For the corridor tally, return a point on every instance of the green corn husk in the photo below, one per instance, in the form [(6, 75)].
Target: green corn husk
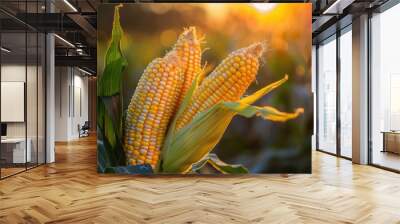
[(193, 143)]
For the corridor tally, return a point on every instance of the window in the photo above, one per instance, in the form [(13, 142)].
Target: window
[(346, 93), (22, 77), (327, 96), (385, 89)]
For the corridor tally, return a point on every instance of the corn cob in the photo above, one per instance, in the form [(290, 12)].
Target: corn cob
[(189, 51), (227, 82), (150, 110)]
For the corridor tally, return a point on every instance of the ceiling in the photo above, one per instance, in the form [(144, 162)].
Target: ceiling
[(332, 15), (76, 21)]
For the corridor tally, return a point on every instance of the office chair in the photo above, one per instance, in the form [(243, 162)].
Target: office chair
[(84, 130)]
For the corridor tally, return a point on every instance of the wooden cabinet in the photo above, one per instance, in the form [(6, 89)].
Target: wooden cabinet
[(391, 142)]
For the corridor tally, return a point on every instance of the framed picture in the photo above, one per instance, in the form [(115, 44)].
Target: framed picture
[(204, 88)]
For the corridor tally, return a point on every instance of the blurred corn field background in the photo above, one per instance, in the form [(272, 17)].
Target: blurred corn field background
[(261, 146)]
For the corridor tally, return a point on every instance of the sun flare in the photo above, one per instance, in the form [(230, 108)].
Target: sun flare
[(264, 7)]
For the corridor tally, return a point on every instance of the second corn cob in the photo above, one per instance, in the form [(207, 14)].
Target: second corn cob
[(188, 49), (227, 82), (150, 110)]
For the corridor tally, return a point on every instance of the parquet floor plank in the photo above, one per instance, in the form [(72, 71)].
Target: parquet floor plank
[(70, 191)]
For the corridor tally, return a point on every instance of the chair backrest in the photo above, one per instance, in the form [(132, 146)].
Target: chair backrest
[(86, 124)]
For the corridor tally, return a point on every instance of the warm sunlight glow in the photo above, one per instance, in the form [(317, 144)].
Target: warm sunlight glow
[(264, 7), (216, 11)]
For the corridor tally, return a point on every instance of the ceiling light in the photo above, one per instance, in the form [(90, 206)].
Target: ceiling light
[(337, 7), (80, 51), (64, 40), (5, 50), (331, 7), (84, 71), (70, 5)]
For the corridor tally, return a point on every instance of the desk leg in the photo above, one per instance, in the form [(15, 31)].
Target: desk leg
[(384, 142)]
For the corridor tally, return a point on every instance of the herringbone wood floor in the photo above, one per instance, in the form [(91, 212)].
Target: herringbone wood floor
[(70, 191)]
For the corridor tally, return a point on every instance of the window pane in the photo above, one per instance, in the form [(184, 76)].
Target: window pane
[(14, 153), (23, 83), (346, 94), (31, 97), (327, 96)]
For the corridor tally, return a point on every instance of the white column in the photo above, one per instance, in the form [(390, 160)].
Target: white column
[(360, 90), (50, 93)]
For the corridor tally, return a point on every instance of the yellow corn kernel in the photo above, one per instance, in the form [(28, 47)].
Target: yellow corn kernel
[(228, 82), (188, 49), (150, 110)]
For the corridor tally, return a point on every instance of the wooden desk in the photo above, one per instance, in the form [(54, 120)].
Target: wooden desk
[(391, 141)]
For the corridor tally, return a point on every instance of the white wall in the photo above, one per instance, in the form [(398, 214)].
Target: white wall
[(62, 81), (71, 102)]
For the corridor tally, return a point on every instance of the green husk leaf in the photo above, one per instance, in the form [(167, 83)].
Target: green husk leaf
[(110, 81), (109, 131), (109, 104), (263, 91), (100, 113), (266, 112), (113, 107), (192, 143), (102, 159), (109, 118), (219, 165), (199, 165), (105, 156), (224, 167)]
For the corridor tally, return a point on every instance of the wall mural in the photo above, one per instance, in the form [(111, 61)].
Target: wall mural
[(201, 88)]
